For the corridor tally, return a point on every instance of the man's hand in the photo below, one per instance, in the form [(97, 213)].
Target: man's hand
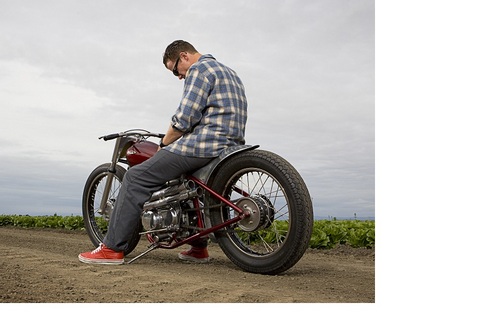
[(171, 136)]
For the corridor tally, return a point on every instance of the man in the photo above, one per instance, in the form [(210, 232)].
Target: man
[(211, 117)]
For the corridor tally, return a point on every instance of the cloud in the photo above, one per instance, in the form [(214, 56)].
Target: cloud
[(71, 72), (45, 114)]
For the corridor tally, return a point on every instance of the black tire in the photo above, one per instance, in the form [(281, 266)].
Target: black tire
[(282, 206), (96, 224)]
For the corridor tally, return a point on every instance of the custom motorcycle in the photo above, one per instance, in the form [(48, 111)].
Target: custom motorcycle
[(251, 202)]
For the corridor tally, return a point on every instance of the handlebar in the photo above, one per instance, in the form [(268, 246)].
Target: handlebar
[(133, 132)]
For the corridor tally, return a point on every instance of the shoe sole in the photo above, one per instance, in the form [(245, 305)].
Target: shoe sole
[(102, 261), (193, 259)]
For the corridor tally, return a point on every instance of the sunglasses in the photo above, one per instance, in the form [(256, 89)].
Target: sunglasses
[(174, 69)]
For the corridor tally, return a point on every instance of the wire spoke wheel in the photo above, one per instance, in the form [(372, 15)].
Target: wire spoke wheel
[(267, 228), (95, 219), (278, 228)]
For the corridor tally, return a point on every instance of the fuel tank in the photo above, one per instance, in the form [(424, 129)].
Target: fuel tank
[(140, 151)]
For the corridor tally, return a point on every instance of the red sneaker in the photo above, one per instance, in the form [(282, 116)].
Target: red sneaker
[(102, 255), (195, 254)]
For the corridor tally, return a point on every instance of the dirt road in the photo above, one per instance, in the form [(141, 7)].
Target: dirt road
[(41, 265)]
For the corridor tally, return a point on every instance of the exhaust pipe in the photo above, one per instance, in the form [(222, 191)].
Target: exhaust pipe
[(174, 187), (184, 195)]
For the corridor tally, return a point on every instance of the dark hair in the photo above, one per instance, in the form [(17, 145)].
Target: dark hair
[(175, 48)]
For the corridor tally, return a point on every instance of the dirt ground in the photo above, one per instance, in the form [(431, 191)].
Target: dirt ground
[(41, 266)]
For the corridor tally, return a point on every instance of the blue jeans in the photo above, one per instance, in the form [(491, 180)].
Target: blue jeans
[(139, 183)]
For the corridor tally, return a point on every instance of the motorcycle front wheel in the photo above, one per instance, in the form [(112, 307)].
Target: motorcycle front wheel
[(278, 231), (96, 220)]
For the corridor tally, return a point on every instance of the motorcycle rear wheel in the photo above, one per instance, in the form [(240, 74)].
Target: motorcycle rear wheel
[(278, 232), (96, 223)]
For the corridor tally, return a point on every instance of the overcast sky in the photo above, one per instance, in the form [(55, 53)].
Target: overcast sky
[(71, 71)]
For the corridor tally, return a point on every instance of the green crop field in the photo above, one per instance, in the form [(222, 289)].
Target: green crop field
[(326, 233)]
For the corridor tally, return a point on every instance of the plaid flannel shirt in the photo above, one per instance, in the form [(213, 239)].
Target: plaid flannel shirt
[(213, 111)]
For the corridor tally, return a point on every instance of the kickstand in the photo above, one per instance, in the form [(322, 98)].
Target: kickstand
[(150, 248)]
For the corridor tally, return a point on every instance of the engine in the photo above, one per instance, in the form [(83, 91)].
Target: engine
[(170, 212)]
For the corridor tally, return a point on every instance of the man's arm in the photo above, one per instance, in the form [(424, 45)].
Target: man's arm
[(171, 135)]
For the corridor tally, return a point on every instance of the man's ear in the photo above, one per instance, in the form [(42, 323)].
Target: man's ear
[(185, 56)]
